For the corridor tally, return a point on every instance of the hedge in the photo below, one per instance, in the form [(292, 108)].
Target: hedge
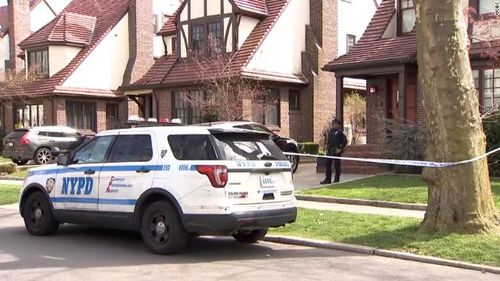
[(309, 147), (8, 168), (492, 130)]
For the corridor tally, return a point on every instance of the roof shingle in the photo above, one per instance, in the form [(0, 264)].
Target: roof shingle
[(73, 28)]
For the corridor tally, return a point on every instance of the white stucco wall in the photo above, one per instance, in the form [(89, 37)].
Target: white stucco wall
[(229, 42), (41, 14), (353, 18), (4, 55), (105, 66), (281, 50), (168, 40), (197, 9), (60, 56), (183, 46), (247, 24), (213, 8), (162, 9)]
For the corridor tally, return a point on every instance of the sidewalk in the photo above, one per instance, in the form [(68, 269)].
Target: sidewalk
[(360, 209)]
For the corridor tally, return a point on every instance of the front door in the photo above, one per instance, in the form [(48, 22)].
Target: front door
[(77, 184), (129, 171)]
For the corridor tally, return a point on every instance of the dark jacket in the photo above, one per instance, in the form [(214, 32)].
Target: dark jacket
[(335, 139)]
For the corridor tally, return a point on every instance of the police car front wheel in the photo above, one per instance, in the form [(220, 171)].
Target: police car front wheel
[(161, 229), (38, 217)]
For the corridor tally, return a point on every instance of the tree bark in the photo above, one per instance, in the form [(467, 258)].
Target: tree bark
[(460, 197)]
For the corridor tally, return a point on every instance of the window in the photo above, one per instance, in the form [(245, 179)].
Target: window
[(406, 16), (94, 152), (267, 112), (215, 33), (184, 109), (191, 147), (351, 40), (197, 37), (293, 100), (81, 115), (247, 147), (111, 110), (487, 84), (28, 115), (38, 62), (132, 148), (174, 44)]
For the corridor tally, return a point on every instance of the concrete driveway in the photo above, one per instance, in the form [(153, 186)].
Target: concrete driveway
[(83, 253), (306, 177)]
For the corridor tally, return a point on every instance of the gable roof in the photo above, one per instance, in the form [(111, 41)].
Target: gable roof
[(173, 71), (372, 48), (257, 7), (107, 14), (70, 28)]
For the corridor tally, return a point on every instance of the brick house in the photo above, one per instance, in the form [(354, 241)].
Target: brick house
[(386, 57), (282, 43), (84, 55)]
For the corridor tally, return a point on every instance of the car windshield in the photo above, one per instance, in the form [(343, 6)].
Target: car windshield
[(237, 146)]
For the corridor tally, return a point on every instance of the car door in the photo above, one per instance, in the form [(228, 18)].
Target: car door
[(77, 184), (130, 171)]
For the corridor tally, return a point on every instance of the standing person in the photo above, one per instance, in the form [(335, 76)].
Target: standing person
[(335, 142)]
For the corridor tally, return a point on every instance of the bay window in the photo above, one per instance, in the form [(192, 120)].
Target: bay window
[(268, 111), (38, 62), (487, 84), (406, 16)]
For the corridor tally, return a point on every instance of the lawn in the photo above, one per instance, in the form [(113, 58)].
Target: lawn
[(4, 160), (393, 188), (20, 174), (392, 233), (9, 193)]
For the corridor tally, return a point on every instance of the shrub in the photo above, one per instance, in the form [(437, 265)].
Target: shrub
[(355, 117), (491, 125), (8, 168), (309, 147)]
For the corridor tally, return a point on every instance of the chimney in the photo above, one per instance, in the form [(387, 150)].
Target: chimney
[(140, 28), (19, 29)]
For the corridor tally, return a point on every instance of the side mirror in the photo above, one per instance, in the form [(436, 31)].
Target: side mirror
[(63, 160), (55, 151)]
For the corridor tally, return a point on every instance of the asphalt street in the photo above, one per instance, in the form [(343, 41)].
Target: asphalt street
[(77, 253)]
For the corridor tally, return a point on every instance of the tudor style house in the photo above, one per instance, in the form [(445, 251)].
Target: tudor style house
[(83, 56), (282, 43), (386, 57)]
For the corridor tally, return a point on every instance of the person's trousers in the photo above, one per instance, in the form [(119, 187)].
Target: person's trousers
[(336, 163)]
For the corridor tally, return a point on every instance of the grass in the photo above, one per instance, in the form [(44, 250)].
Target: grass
[(9, 193), (4, 160), (393, 188), (20, 174), (392, 233)]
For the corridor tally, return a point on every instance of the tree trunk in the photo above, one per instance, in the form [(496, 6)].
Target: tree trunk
[(460, 197)]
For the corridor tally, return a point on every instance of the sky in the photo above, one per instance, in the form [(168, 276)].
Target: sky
[(3, 3)]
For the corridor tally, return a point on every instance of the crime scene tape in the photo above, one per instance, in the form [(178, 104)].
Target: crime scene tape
[(417, 163)]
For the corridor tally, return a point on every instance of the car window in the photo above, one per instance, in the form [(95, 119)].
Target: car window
[(43, 133), (71, 134), (261, 128), (55, 134), (94, 152), (192, 147), (246, 127), (132, 148), (247, 147)]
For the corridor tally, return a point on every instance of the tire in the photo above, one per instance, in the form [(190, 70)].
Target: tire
[(20, 161), (37, 215), (161, 229), (250, 236), (43, 156), (294, 159)]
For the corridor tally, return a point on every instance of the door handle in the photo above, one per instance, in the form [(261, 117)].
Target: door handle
[(142, 170), (89, 172)]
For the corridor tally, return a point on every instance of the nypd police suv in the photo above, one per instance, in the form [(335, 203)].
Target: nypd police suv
[(169, 183)]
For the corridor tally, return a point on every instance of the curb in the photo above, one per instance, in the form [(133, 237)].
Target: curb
[(379, 252), (374, 203), (11, 178)]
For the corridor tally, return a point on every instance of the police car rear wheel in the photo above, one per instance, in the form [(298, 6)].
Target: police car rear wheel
[(162, 230), (250, 236), (38, 217)]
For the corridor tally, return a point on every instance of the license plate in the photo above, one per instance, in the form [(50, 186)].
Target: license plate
[(266, 181), (9, 144)]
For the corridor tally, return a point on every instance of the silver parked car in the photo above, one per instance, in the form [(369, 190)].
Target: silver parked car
[(23, 145)]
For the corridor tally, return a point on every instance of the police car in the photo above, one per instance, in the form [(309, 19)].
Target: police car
[(169, 183)]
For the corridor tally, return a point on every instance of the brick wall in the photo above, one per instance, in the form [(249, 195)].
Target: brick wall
[(101, 116), (284, 113), (163, 103), (133, 108), (140, 40), (48, 116), (60, 111), (376, 112), (19, 29), (9, 117)]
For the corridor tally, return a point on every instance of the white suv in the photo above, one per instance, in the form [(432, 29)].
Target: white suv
[(167, 182)]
